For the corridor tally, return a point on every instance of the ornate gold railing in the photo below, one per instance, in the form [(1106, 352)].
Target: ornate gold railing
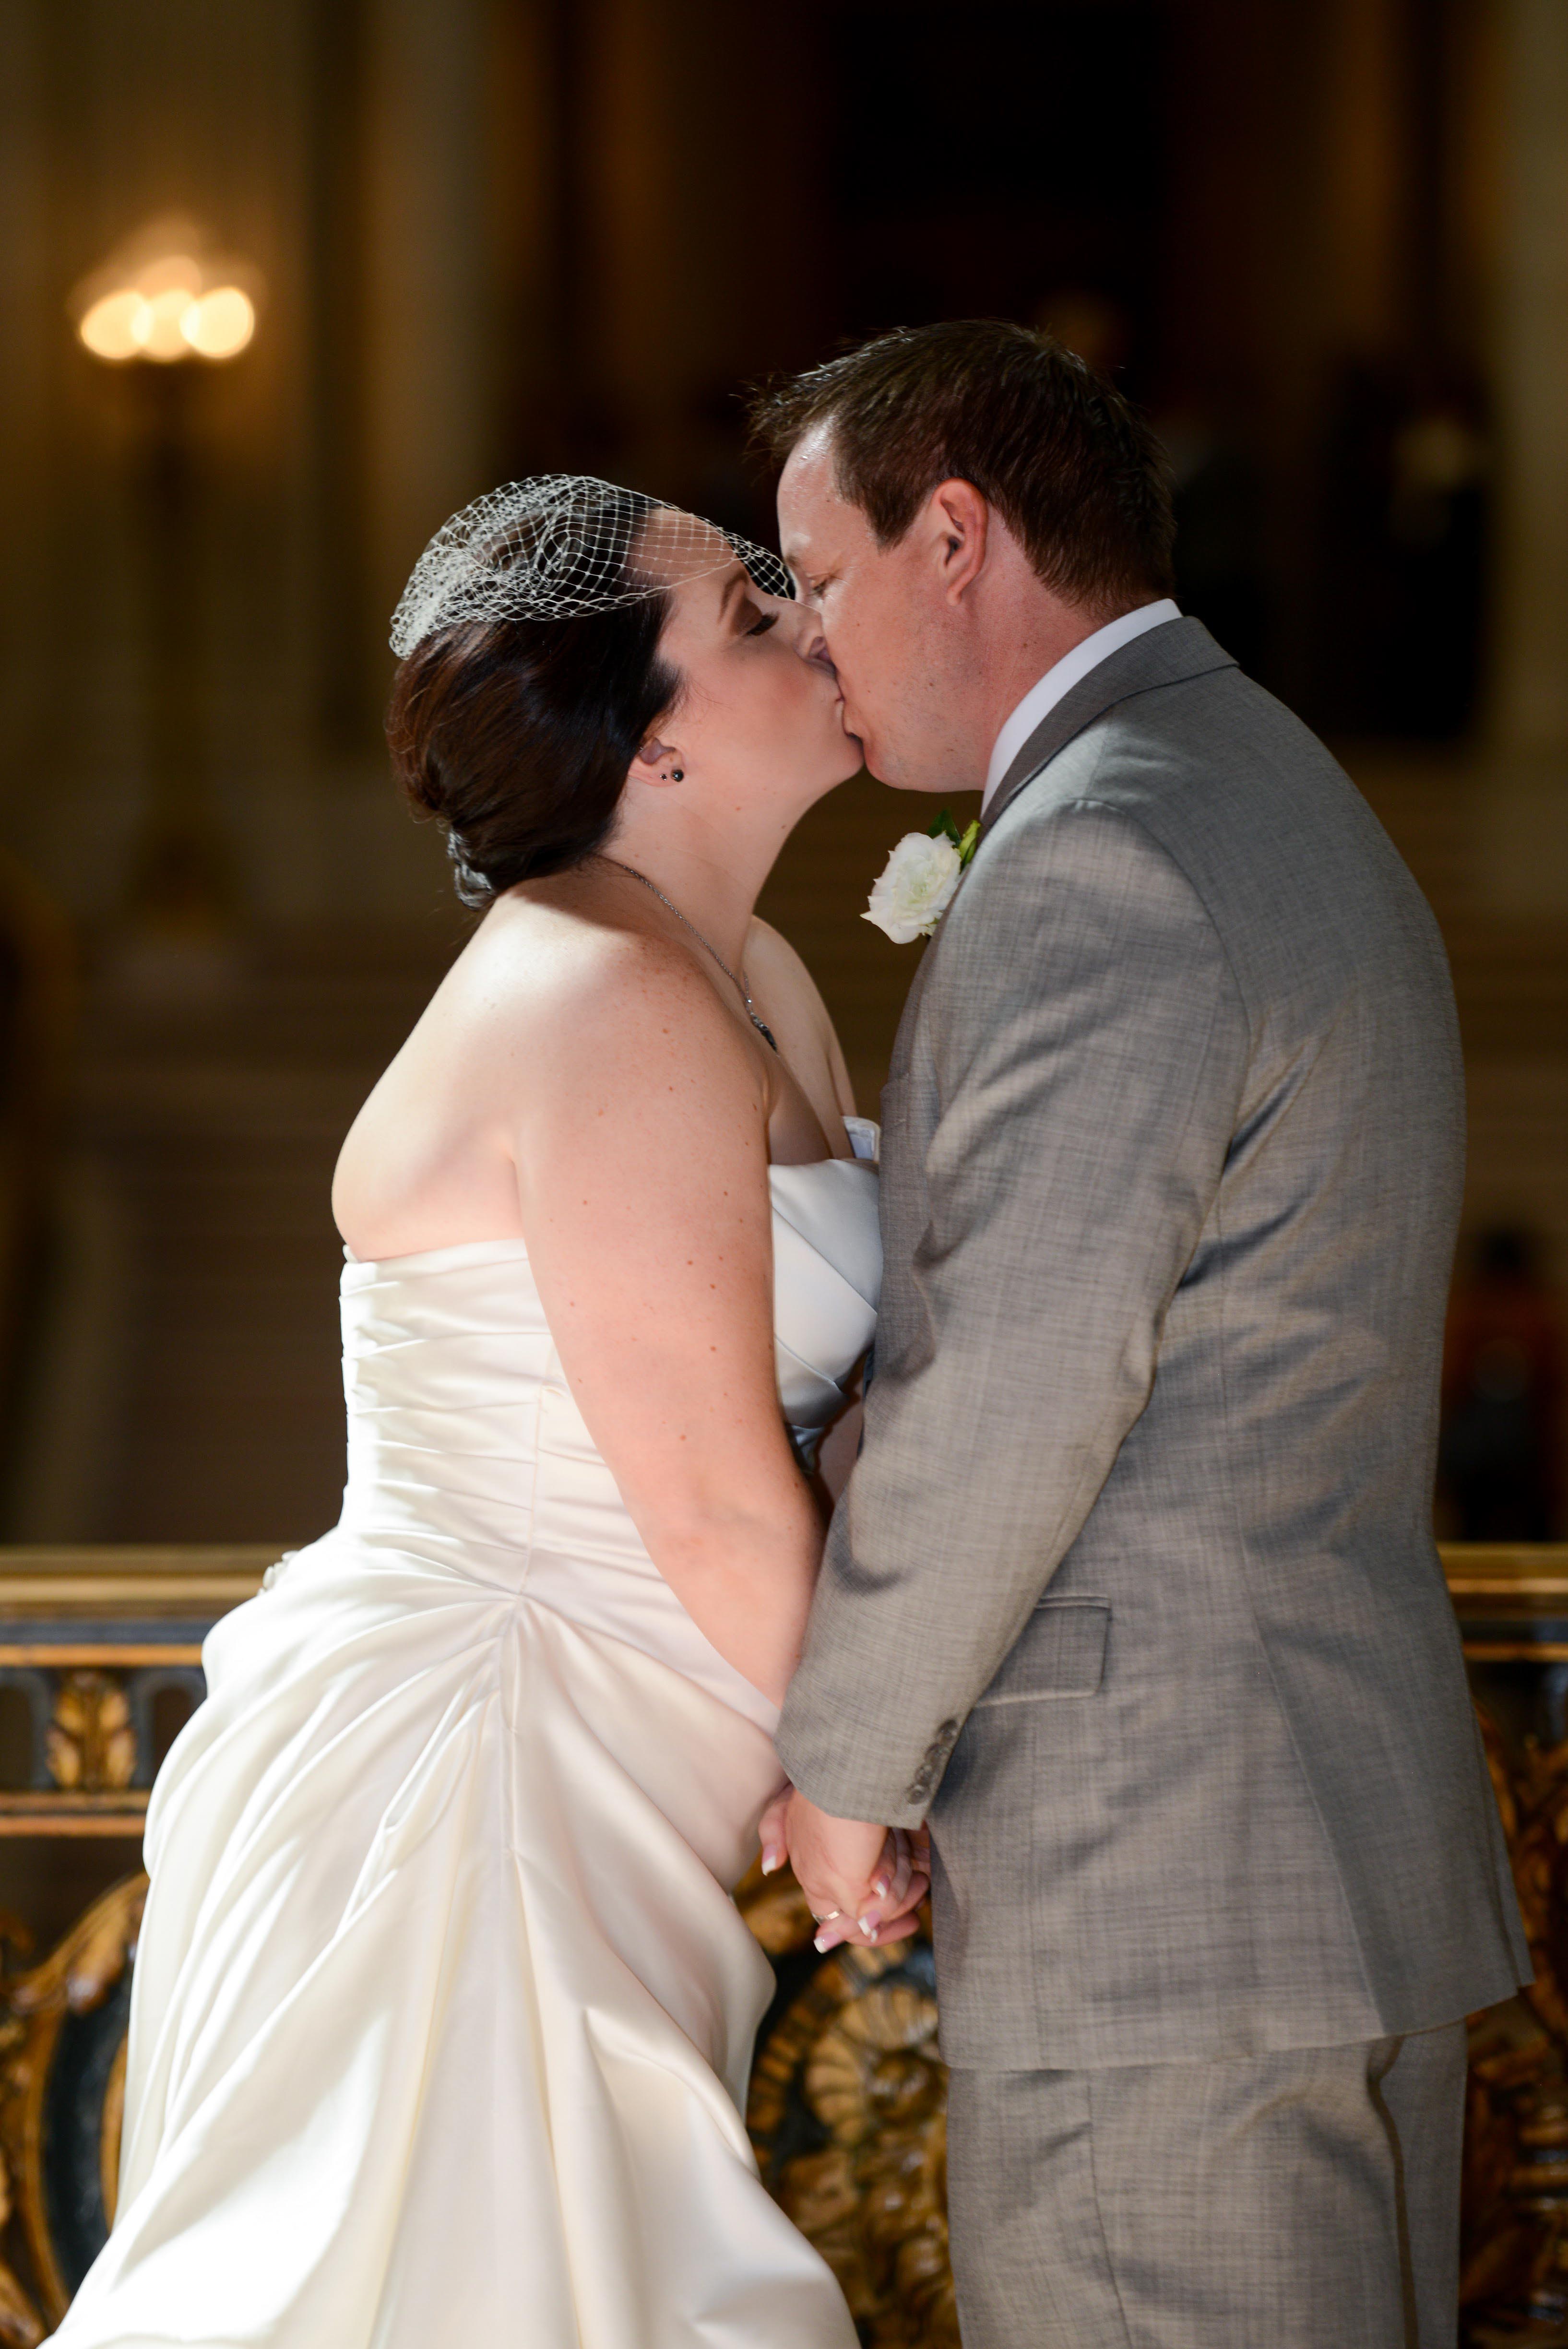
[(101, 1661), (100, 1664)]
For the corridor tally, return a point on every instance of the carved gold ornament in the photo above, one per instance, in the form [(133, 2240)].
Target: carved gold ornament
[(91, 1743), (78, 1989), (848, 2115), (847, 2109)]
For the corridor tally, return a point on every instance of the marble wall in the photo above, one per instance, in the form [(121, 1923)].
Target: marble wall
[(496, 236), (493, 236), (333, 147)]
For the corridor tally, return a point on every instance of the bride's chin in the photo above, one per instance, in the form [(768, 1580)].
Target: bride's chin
[(830, 763), (831, 773), (851, 742)]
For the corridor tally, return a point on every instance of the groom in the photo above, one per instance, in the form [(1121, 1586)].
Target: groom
[(1133, 1594)]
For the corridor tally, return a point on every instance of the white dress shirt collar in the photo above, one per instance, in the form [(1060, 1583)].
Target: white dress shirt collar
[(1059, 682)]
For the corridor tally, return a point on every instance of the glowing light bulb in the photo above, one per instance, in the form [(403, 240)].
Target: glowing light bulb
[(220, 322), (161, 324), (166, 296), (114, 327)]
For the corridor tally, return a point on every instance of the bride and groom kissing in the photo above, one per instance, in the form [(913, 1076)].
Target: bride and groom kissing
[(1120, 1617)]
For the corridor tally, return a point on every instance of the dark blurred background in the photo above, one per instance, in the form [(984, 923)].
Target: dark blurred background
[(395, 251)]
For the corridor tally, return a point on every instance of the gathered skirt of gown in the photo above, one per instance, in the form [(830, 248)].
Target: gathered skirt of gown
[(442, 2012)]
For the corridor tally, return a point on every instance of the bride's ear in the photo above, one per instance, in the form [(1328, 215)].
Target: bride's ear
[(658, 763)]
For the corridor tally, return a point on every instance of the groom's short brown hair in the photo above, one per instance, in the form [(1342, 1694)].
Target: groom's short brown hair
[(1070, 467)]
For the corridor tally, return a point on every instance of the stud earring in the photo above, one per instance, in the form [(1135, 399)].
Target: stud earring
[(677, 776)]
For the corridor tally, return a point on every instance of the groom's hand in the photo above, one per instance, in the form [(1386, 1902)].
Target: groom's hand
[(864, 1884)]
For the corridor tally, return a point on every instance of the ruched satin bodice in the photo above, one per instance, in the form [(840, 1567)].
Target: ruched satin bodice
[(442, 2012), (465, 1443)]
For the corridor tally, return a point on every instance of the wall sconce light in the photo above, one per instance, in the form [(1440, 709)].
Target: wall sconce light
[(163, 311), (165, 296)]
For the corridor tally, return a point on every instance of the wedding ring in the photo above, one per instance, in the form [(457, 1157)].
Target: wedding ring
[(828, 1916)]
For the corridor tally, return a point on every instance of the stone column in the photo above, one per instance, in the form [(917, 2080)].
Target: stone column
[(1530, 693), (430, 292)]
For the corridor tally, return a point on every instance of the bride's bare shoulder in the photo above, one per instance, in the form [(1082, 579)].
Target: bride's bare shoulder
[(548, 969), (546, 1027)]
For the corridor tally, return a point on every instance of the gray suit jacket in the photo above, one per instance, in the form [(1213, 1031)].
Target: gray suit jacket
[(1134, 1587)]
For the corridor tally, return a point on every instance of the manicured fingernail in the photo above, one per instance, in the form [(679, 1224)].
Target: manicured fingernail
[(879, 1888), (823, 1943), (772, 1857), (869, 1926)]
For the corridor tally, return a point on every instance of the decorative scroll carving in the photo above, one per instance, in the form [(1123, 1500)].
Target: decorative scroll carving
[(62, 2039), (21, 2327), (848, 2115), (1515, 2276), (847, 2108), (848, 2104), (91, 1742)]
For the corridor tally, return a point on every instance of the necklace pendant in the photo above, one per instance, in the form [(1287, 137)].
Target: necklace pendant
[(738, 983)]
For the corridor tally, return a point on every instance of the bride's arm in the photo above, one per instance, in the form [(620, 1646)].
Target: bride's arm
[(641, 1154)]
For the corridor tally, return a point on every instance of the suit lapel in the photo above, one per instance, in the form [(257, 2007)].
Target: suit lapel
[(1168, 655), (903, 1042)]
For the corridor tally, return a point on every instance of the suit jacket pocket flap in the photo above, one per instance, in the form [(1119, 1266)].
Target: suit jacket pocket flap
[(1061, 1651)]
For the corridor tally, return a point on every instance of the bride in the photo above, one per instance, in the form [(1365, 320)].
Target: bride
[(443, 2011)]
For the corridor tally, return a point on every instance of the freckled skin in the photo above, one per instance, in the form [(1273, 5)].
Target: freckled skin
[(586, 1078)]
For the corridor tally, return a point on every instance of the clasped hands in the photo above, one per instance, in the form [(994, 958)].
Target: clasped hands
[(864, 1884)]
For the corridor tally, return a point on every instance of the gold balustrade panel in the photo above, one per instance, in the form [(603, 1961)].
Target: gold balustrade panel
[(101, 1661)]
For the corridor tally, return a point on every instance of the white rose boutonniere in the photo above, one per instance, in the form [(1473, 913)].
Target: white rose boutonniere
[(916, 885)]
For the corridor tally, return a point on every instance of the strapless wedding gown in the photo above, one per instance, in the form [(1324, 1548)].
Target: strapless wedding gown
[(442, 2012)]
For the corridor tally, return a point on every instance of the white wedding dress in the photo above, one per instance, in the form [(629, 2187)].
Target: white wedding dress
[(443, 2011)]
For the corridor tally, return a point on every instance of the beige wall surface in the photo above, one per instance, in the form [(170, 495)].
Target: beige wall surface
[(498, 236)]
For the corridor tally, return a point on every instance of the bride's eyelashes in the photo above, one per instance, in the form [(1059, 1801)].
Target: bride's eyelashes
[(769, 620)]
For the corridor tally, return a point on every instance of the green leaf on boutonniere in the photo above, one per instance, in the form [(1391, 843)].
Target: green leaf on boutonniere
[(946, 828)]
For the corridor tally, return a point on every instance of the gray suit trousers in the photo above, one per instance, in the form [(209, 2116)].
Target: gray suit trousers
[(1306, 2199)]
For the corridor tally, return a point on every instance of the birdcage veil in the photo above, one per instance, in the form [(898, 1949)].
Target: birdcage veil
[(560, 544)]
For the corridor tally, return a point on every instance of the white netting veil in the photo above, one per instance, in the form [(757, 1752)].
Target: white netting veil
[(560, 544)]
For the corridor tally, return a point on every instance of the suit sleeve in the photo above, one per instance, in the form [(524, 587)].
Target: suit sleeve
[(1086, 1045)]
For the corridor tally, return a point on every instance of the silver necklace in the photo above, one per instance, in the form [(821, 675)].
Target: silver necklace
[(738, 984)]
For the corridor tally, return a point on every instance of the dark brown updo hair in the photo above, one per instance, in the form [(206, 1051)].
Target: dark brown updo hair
[(517, 736)]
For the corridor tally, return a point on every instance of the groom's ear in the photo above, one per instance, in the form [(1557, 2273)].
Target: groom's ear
[(957, 523)]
